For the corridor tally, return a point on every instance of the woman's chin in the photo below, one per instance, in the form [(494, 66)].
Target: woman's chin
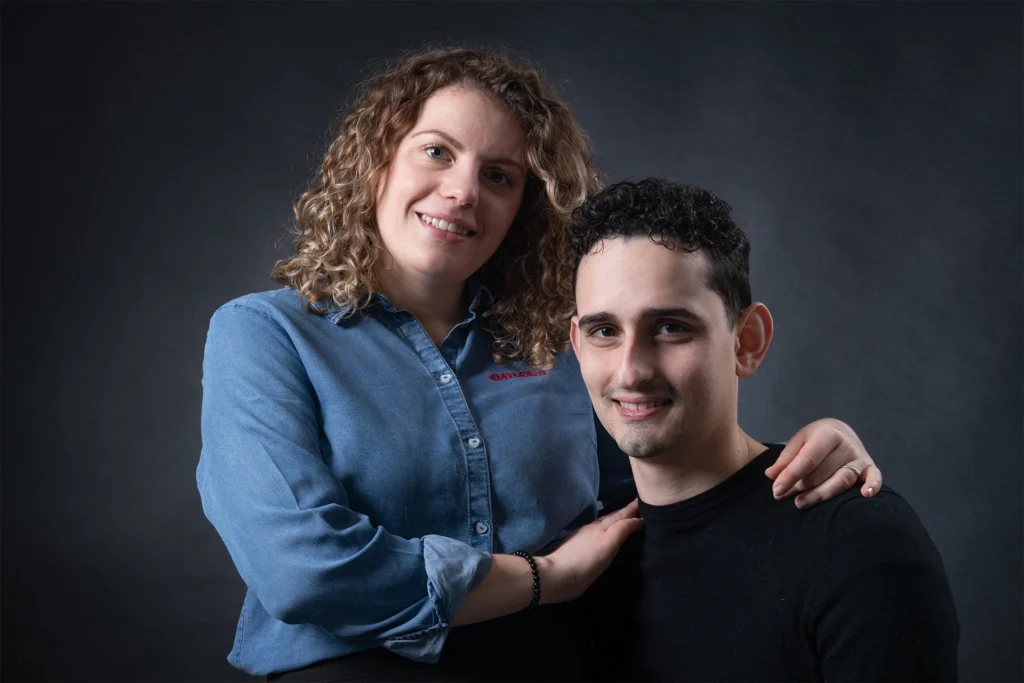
[(443, 272)]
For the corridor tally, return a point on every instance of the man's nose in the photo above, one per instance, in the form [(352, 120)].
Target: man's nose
[(636, 364)]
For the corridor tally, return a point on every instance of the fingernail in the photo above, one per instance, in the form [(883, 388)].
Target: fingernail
[(800, 502), (777, 492), (871, 491)]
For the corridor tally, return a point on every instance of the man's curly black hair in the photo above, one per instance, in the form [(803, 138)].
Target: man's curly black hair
[(673, 215)]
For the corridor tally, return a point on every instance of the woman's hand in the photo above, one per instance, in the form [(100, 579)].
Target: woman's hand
[(821, 461), (567, 572), (564, 574)]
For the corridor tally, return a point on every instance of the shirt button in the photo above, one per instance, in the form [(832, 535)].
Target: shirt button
[(473, 443), (445, 378), (481, 528)]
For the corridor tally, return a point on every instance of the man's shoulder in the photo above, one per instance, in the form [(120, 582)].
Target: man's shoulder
[(882, 529), (886, 511), (881, 605)]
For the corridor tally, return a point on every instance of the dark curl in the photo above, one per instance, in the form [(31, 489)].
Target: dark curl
[(673, 215)]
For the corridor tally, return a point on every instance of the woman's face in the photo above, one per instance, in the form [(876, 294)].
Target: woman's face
[(453, 188)]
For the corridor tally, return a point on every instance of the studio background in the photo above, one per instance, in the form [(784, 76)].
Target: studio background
[(150, 153)]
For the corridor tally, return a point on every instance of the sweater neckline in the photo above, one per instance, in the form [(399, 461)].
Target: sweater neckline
[(686, 512)]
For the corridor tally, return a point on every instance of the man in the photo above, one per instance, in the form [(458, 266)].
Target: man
[(725, 583)]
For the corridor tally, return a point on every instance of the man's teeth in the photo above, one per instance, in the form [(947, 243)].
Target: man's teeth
[(442, 224), (642, 406)]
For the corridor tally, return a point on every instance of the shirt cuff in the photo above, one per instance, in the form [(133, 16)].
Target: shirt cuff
[(453, 569)]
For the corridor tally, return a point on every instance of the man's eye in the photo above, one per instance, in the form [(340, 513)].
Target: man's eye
[(602, 332), (672, 328), (436, 152)]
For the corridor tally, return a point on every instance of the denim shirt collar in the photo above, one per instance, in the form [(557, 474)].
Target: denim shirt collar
[(481, 298)]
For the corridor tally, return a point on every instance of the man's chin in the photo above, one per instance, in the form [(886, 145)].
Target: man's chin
[(642, 448), (646, 455)]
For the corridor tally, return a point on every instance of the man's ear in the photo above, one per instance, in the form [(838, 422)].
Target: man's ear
[(574, 335), (753, 335)]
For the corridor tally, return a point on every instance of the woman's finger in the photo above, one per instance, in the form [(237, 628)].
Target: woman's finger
[(789, 452), (628, 511), (798, 487), (623, 529), (833, 486), (872, 477), (818, 446), (841, 455)]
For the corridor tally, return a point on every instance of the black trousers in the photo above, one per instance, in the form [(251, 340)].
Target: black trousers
[(551, 643)]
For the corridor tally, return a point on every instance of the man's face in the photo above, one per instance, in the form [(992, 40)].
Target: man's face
[(657, 351)]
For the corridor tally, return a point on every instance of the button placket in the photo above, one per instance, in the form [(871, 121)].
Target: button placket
[(478, 479)]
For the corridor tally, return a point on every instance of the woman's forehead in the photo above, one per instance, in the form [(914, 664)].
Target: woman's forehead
[(473, 120)]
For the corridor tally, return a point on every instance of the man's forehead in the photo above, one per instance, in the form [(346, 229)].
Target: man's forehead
[(643, 262), (624, 277)]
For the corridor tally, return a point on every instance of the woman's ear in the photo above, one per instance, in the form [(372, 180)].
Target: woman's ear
[(753, 335)]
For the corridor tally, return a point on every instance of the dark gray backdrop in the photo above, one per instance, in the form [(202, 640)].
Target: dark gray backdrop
[(150, 153)]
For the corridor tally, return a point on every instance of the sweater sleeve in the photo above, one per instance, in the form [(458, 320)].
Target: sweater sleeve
[(883, 610)]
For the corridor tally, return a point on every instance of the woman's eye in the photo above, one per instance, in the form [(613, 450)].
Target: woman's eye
[(499, 178), (436, 152)]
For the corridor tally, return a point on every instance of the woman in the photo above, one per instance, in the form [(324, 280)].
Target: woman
[(382, 433)]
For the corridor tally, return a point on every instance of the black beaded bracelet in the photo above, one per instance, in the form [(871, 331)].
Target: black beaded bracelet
[(536, 580)]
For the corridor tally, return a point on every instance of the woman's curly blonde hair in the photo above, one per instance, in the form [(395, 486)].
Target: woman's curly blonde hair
[(337, 244)]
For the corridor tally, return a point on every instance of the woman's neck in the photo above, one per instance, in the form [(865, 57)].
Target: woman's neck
[(437, 306)]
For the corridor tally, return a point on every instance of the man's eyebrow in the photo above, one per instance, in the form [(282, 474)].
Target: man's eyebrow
[(595, 318), (646, 314), (675, 312), (458, 146)]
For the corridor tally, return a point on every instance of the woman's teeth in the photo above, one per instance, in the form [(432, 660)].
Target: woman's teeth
[(442, 224)]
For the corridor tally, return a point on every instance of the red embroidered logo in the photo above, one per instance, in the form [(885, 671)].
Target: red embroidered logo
[(499, 376)]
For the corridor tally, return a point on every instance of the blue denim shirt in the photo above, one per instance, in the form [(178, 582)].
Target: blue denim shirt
[(361, 476)]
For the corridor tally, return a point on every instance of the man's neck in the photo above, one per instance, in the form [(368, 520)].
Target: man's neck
[(694, 467)]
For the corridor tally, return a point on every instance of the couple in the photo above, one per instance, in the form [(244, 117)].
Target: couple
[(388, 502)]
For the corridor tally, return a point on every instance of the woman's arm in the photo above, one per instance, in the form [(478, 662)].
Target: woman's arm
[(285, 517)]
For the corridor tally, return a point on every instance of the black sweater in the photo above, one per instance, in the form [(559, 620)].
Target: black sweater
[(732, 585)]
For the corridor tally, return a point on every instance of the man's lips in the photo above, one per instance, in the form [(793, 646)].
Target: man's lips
[(637, 408)]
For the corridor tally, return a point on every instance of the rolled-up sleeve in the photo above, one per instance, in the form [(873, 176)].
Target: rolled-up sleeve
[(286, 518)]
